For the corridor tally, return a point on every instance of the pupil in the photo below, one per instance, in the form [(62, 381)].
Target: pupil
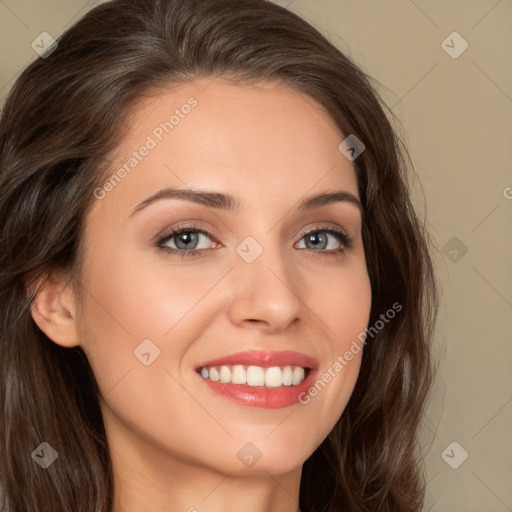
[(185, 238), (316, 239)]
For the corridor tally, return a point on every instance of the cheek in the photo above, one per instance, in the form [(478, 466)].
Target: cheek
[(345, 306), (136, 299), (123, 306), (344, 310), (139, 305)]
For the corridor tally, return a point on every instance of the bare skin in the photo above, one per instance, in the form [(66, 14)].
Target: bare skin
[(174, 441)]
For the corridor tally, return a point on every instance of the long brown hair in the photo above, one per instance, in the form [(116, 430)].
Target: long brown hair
[(64, 116)]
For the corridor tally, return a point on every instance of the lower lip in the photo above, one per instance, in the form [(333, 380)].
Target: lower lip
[(261, 396)]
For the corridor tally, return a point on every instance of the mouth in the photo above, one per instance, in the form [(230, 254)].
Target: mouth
[(256, 376), (262, 379)]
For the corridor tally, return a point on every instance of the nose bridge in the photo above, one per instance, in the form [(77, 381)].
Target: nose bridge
[(265, 287)]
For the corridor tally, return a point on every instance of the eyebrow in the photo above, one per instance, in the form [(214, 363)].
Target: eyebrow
[(227, 202)]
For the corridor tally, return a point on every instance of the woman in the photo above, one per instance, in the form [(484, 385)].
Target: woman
[(215, 290)]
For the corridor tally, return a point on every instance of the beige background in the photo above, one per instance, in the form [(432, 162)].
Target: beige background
[(457, 119)]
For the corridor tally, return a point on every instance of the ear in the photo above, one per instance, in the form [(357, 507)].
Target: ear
[(53, 309)]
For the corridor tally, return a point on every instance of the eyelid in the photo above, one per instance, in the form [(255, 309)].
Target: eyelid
[(324, 227), (190, 225)]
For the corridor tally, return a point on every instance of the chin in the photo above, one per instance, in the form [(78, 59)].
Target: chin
[(280, 456)]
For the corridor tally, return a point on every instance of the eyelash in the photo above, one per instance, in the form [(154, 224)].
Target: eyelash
[(341, 236)]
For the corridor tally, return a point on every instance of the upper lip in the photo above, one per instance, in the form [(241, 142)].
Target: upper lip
[(264, 359)]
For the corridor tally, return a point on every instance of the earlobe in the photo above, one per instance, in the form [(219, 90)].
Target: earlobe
[(53, 309)]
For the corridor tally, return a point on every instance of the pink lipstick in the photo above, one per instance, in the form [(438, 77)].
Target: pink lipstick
[(260, 378)]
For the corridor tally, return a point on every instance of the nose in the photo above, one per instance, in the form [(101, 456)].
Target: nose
[(265, 293)]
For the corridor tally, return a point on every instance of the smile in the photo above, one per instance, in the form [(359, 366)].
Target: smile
[(257, 378), (271, 377)]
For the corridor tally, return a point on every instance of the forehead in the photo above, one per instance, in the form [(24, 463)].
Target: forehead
[(253, 140)]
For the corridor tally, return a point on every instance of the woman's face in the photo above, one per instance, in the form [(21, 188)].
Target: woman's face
[(155, 314)]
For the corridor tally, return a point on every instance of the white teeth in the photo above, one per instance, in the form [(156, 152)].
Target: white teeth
[(287, 376), (225, 374), (239, 375), (214, 374), (272, 377), (255, 376), (298, 375)]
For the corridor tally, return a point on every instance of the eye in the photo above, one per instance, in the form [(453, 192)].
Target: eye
[(184, 241), (327, 240)]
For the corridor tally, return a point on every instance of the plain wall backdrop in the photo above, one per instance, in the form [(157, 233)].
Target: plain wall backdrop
[(444, 67)]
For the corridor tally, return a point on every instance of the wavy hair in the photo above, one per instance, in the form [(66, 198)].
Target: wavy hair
[(64, 116)]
